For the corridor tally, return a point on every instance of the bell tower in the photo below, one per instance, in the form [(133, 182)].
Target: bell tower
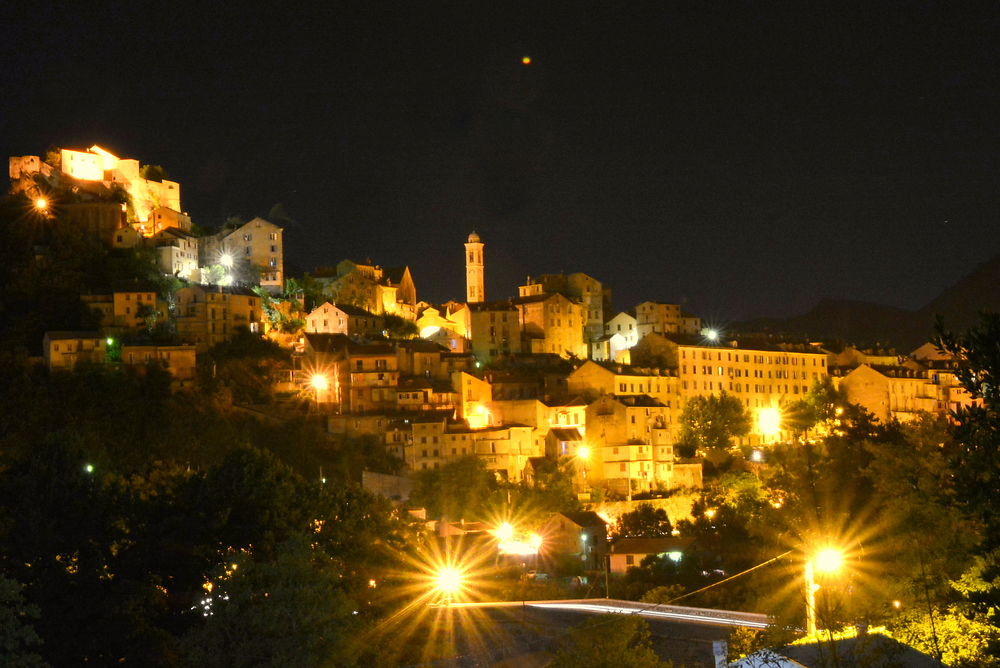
[(474, 270)]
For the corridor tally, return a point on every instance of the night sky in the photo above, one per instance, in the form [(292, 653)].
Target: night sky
[(744, 159)]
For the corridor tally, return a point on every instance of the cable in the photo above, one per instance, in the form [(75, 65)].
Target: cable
[(731, 577)]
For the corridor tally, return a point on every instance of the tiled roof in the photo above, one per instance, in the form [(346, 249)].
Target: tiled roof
[(585, 518), (566, 434)]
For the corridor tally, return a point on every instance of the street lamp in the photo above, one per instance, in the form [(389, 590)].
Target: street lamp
[(826, 561), (448, 582), (583, 453)]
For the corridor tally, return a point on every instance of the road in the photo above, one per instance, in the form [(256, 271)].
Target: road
[(512, 631)]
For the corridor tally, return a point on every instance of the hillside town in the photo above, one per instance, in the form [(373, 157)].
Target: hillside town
[(568, 449), (553, 372)]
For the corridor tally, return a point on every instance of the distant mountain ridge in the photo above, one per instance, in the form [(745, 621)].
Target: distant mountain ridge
[(866, 323)]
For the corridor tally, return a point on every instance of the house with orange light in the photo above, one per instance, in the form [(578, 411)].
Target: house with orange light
[(763, 375), (552, 323), (370, 286), (494, 330), (630, 443), (64, 350), (209, 315), (330, 318), (257, 243), (179, 361)]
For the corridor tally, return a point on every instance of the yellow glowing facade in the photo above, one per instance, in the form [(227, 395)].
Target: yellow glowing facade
[(664, 318), (631, 443), (505, 449), (209, 316), (330, 318), (258, 242), (552, 323), (894, 392), (764, 377), (97, 164), (178, 361), (64, 350), (475, 288), (495, 330)]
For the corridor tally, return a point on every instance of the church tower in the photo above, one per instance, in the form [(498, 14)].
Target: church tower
[(474, 270)]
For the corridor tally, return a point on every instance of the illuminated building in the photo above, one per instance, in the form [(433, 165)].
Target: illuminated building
[(179, 361), (257, 243), (631, 443), (891, 392), (504, 449), (761, 375), (582, 535), (64, 350), (495, 330), (664, 318), (475, 290), (552, 323), (594, 379), (449, 330), (371, 287), (207, 316), (579, 287), (629, 552), (330, 318), (177, 253), (146, 189)]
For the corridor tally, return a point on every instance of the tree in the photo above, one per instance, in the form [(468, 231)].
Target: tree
[(17, 636), (646, 521), (285, 612), (400, 328), (621, 641), (457, 490), (974, 454), (710, 423)]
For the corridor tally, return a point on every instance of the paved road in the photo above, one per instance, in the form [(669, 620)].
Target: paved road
[(511, 631)]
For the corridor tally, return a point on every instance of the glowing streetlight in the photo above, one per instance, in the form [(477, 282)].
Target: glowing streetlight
[(769, 421), (535, 541), (526, 60), (41, 204), (583, 454), (226, 260), (826, 561), (449, 581), (710, 334), (504, 532), (319, 382), (89, 468)]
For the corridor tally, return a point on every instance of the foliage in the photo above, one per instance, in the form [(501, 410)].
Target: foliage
[(459, 489), (115, 563), (286, 612), (818, 408), (974, 454), (245, 365), (398, 327), (663, 594), (621, 641), (646, 521), (17, 636), (152, 172), (964, 639), (710, 423)]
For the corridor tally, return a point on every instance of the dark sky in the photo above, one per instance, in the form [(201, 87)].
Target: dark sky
[(743, 158)]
